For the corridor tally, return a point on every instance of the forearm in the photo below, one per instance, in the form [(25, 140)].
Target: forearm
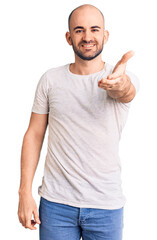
[(29, 160)]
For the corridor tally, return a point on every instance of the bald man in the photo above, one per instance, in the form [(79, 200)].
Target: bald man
[(85, 106)]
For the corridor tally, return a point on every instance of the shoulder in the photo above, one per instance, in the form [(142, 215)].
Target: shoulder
[(52, 75), (56, 70)]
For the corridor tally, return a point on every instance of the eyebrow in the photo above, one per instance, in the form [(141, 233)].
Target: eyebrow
[(83, 27)]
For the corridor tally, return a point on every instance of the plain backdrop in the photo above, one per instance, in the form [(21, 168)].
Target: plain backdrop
[(32, 41)]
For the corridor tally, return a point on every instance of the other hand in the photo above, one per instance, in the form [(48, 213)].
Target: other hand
[(26, 208)]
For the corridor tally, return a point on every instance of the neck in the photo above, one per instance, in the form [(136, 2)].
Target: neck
[(84, 67)]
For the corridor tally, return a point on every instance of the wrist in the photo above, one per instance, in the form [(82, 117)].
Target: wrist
[(129, 96), (23, 191)]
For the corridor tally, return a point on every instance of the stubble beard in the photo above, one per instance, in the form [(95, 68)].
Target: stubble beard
[(87, 58)]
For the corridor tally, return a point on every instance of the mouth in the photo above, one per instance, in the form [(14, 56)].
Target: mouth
[(88, 46)]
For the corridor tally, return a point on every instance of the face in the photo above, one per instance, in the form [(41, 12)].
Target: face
[(87, 35)]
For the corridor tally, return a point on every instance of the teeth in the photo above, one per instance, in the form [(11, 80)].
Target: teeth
[(87, 45)]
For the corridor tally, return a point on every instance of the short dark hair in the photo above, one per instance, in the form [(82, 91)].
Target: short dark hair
[(79, 7)]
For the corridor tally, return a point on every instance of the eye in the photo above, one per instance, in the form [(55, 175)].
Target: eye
[(94, 30), (78, 31)]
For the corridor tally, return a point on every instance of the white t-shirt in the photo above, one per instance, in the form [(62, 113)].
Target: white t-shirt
[(82, 166)]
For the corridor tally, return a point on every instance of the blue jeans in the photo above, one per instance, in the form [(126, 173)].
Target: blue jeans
[(64, 222)]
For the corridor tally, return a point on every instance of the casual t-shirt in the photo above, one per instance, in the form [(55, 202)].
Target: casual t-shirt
[(82, 165)]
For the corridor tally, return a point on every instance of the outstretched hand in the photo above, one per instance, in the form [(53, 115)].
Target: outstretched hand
[(118, 83)]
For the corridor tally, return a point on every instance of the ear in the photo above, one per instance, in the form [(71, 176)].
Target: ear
[(68, 38), (106, 36)]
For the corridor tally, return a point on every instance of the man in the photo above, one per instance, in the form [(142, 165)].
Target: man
[(85, 104)]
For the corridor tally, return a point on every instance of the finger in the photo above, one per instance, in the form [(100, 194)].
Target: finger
[(102, 80), (107, 87), (36, 216), (111, 84), (114, 81), (114, 75), (126, 57), (29, 225)]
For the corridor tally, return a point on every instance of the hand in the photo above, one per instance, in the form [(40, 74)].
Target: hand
[(118, 83), (26, 208)]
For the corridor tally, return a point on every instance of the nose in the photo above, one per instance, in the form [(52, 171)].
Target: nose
[(87, 36)]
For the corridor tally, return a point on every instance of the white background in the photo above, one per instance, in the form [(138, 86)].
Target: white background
[(32, 41)]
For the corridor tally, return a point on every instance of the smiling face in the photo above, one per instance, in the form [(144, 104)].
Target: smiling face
[(87, 35)]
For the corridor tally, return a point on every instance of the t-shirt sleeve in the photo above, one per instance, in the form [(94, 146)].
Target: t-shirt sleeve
[(41, 103), (122, 109), (134, 79)]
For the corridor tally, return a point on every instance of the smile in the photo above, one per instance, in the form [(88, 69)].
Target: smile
[(88, 46)]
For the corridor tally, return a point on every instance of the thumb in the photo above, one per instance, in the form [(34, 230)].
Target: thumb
[(121, 64), (36, 216), (126, 57)]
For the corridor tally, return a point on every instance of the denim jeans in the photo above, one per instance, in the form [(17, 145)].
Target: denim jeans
[(64, 222)]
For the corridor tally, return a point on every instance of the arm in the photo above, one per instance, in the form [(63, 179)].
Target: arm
[(30, 154)]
